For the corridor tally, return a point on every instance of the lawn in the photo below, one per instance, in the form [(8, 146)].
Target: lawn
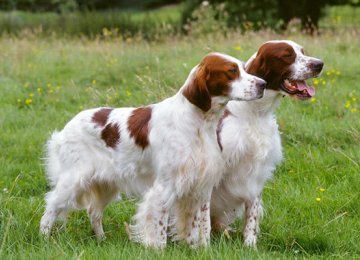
[(151, 24), (312, 205)]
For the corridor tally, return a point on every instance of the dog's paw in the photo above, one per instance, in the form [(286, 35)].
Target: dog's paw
[(250, 241)]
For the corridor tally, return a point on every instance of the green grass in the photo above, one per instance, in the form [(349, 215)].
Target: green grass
[(151, 24), (321, 143), (341, 17)]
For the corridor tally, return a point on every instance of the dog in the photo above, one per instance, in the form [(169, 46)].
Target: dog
[(249, 137), (166, 153)]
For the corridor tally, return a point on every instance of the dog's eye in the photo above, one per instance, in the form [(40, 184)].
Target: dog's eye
[(233, 70), (287, 55)]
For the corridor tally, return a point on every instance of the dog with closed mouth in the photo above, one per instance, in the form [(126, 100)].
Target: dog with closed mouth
[(249, 137), (166, 153)]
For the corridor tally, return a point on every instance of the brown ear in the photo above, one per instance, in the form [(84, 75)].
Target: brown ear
[(257, 67), (261, 68), (197, 92)]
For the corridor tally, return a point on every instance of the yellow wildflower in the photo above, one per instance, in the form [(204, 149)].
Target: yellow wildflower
[(31, 94), (26, 85), (18, 100), (238, 48), (28, 101), (106, 32), (93, 81), (354, 109), (51, 90), (347, 104), (328, 73), (338, 73), (316, 82), (318, 199), (58, 87), (81, 107), (323, 82), (128, 93), (313, 100), (322, 189), (49, 85), (354, 99), (39, 90)]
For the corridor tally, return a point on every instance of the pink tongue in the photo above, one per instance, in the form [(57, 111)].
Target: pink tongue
[(301, 85)]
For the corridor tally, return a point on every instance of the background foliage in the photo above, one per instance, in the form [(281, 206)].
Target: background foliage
[(244, 14)]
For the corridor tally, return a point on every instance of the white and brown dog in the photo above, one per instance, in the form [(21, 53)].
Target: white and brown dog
[(249, 137), (166, 152)]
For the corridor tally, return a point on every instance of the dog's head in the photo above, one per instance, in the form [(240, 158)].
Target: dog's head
[(285, 67), (221, 77)]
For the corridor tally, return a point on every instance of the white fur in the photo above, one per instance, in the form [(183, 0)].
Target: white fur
[(176, 172), (251, 149)]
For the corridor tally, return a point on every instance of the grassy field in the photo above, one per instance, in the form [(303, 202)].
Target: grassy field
[(312, 206), (150, 25)]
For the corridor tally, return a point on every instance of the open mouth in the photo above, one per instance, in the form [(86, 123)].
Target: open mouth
[(298, 88)]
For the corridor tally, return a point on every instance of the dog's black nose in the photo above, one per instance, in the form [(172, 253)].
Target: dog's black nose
[(261, 84), (317, 65)]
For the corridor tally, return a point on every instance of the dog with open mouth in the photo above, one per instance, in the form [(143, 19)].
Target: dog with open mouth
[(249, 137)]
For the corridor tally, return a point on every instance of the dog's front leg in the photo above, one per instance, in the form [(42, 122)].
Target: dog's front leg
[(151, 219), (193, 222), (252, 218), (205, 224)]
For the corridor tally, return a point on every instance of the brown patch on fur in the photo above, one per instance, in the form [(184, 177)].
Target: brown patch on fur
[(111, 135), (212, 78), (272, 63), (111, 132), (101, 116), (219, 127), (138, 126)]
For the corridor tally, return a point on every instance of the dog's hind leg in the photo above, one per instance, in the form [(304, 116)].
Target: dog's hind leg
[(48, 220), (95, 213), (101, 195), (58, 202), (53, 211)]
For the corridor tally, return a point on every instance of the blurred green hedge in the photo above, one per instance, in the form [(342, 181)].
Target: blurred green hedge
[(72, 5), (257, 14)]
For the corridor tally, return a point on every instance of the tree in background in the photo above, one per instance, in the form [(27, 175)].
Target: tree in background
[(309, 11), (243, 14), (72, 5), (256, 14)]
